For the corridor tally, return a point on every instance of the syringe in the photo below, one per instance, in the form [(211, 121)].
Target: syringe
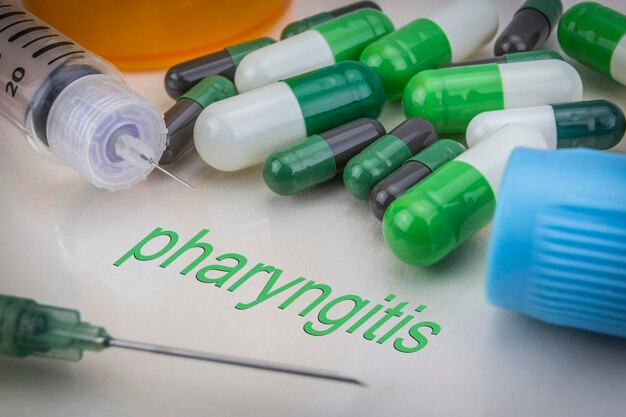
[(72, 105), (28, 328)]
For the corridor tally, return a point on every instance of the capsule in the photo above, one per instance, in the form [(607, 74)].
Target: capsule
[(438, 214), (451, 97), (413, 171), (305, 24), (181, 77), (530, 27), (594, 35), (449, 35), (595, 124), (181, 117), (341, 39), (243, 130), (318, 158), (510, 58), (386, 155)]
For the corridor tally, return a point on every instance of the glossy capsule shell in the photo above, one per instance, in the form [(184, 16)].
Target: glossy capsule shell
[(243, 130), (438, 214), (181, 117), (414, 170), (182, 77), (451, 97), (511, 58), (451, 34), (530, 27), (594, 35), (305, 24), (318, 158), (340, 39), (386, 155), (595, 124)]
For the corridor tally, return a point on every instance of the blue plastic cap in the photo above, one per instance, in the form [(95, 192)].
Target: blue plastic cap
[(557, 250)]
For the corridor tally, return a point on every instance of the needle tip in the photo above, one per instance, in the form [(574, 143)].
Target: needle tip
[(185, 183)]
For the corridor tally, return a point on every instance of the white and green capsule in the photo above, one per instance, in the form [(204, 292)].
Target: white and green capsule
[(450, 97), (597, 124), (340, 39), (595, 35)]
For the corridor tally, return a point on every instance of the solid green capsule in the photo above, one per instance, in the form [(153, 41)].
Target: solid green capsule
[(318, 158), (386, 155), (595, 35), (305, 24)]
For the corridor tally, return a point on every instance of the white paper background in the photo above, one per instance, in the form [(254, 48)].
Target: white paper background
[(60, 237)]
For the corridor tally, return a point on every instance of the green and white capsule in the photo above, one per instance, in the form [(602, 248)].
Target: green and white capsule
[(243, 130), (451, 97), (438, 214), (386, 155), (595, 124), (450, 34), (340, 39), (595, 35)]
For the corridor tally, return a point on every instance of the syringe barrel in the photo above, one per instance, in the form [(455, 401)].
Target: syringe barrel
[(37, 62), (39, 72), (31, 329)]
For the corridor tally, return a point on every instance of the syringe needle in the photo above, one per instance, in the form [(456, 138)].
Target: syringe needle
[(230, 360), (138, 153), (186, 184)]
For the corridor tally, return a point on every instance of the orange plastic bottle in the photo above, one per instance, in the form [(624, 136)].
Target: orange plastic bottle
[(153, 34)]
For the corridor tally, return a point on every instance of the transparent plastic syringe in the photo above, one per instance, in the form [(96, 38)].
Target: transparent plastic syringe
[(74, 106)]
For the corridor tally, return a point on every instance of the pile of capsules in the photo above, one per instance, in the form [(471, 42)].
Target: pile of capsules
[(307, 106)]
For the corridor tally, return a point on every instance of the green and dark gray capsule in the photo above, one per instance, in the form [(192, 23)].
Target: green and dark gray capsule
[(303, 25), (183, 76), (318, 158), (530, 27), (510, 58), (181, 117), (413, 171), (386, 155)]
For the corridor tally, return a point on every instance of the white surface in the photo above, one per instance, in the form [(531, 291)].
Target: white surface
[(468, 24), (243, 130), (534, 83), (540, 118), (60, 236), (491, 155), (304, 52), (618, 61)]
